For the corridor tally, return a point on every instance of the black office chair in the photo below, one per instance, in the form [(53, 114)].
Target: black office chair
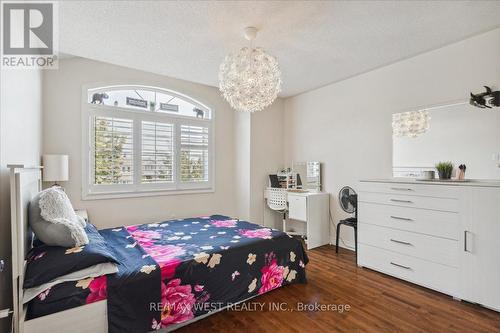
[(349, 202)]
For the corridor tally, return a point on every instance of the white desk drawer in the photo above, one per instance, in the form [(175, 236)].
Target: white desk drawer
[(430, 248), (428, 274), (444, 204), (297, 207), (435, 223), (420, 189)]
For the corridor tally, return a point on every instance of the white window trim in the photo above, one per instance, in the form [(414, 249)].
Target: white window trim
[(91, 191)]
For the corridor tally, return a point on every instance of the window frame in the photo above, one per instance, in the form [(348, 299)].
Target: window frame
[(91, 191)]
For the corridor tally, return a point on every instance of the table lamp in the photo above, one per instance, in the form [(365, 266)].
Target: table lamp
[(55, 168)]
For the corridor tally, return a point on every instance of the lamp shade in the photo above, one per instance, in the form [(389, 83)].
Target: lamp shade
[(55, 168)]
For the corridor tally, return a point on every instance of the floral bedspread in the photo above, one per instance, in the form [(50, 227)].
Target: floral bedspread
[(177, 270)]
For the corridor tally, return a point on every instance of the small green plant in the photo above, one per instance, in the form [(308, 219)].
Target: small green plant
[(444, 169), (152, 105)]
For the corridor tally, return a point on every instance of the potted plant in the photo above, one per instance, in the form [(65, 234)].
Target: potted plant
[(444, 170)]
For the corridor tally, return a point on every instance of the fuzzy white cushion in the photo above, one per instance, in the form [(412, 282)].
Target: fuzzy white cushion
[(54, 221)]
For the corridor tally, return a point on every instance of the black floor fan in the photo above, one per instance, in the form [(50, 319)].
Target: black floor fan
[(348, 200)]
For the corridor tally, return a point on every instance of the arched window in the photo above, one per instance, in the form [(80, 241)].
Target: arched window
[(142, 140)]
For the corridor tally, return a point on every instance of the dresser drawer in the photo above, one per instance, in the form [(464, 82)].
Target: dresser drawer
[(419, 189), (430, 248), (444, 204), (428, 274), (429, 222), (297, 207)]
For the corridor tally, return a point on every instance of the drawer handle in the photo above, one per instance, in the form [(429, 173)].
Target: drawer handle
[(401, 189), (401, 218), (400, 266), (400, 242), (403, 201), (466, 249)]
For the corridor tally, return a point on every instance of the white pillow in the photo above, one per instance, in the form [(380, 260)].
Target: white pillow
[(56, 208)]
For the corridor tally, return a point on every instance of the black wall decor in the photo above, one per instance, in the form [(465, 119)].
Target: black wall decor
[(137, 102), (487, 99)]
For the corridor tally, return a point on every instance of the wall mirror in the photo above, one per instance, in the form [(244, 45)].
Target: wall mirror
[(310, 174), (461, 134)]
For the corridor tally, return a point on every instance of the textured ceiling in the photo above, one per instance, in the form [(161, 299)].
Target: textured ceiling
[(315, 42)]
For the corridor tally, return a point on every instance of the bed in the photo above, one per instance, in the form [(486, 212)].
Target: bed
[(170, 274)]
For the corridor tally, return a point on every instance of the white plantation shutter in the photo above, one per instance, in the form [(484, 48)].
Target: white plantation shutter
[(113, 150), (194, 153), (157, 145), (157, 155)]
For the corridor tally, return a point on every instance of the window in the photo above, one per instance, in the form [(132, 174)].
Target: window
[(157, 152), (194, 153), (145, 141), (113, 151)]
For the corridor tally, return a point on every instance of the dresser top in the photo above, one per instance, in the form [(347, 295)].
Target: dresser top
[(469, 182)]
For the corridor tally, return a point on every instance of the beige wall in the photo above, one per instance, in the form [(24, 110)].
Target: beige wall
[(258, 153), (20, 142), (62, 123), (242, 157), (347, 125), (266, 158)]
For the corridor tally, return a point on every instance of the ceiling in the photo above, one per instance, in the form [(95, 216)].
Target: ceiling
[(316, 42)]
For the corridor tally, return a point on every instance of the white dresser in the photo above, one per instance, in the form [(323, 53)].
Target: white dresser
[(439, 235)]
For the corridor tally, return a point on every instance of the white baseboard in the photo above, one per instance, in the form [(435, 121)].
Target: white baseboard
[(349, 245)]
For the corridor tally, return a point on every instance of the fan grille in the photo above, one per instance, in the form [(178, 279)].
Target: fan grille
[(345, 199)]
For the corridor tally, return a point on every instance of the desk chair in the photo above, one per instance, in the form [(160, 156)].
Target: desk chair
[(276, 200)]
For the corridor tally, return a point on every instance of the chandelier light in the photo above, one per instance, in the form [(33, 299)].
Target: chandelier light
[(250, 79), (410, 124)]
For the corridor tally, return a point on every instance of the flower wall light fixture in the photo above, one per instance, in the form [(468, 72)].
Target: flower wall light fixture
[(250, 79)]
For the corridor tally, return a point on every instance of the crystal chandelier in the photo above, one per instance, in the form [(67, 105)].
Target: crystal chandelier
[(250, 79), (410, 124)]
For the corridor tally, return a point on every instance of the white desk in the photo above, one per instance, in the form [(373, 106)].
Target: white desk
[(312, 209)]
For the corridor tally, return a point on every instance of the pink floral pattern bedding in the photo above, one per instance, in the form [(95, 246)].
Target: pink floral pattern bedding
[(202, 264)]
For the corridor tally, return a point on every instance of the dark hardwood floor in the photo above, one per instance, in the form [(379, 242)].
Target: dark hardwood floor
[(378, 303)]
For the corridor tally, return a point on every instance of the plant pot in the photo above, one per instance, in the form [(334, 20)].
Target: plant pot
[(444, 174)]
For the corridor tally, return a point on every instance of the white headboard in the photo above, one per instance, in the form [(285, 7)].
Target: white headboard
[(25, 183)]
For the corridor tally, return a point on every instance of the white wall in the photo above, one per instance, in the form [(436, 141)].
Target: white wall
[(347, 125), (20, 142), (62, 134)]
